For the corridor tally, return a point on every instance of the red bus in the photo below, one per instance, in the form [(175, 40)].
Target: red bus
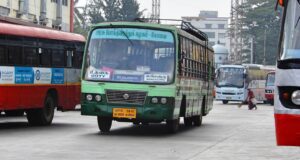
[(39, 71), (269, 90)]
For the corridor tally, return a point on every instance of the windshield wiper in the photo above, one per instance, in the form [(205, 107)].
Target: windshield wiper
[(124, 33)]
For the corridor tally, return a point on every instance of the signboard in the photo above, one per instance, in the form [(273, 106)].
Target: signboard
[(31, 75), (133, 34)]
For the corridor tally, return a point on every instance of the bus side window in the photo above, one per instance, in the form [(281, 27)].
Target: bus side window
[(58, 58), (69, 54), (3, 55), (77, 59), (46, 58), (14, 55), (30, 57)]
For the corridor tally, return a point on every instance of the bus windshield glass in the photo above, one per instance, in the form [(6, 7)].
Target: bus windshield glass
[(291, 45), (230, 77), (270, 79), (130, 55)]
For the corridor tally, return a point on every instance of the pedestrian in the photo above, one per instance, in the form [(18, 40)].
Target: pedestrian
[(251, 100)]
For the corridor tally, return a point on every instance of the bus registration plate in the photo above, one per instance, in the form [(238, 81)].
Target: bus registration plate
[(124, 113)]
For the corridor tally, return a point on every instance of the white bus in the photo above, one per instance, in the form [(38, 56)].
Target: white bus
[(232, 82)]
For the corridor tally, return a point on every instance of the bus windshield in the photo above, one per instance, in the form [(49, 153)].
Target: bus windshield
[(291, 44), (230, 77), (130, 55), (270, 79)]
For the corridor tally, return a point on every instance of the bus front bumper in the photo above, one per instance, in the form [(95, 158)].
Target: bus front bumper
[(145, 113), (221, 97)]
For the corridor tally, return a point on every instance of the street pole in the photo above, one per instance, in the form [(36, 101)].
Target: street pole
[(265, 39), (251, 54)]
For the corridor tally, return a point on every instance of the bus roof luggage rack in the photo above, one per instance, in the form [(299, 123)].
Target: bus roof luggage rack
[(184, 25)]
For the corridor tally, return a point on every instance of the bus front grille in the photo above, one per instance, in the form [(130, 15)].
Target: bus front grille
[(127, 97), (224, 93)]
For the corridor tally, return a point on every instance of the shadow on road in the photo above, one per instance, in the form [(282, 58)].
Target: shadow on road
[(24, 125), (152, 130)]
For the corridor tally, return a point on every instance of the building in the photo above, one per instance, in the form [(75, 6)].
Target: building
[(214, 26), (57, 14), (221, 55)]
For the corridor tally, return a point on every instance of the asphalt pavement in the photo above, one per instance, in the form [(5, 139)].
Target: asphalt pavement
[(228, 132)]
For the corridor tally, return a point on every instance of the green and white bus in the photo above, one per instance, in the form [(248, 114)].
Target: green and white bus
[(147, 73)]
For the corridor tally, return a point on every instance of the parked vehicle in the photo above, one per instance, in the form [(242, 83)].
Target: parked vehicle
[(39, 71)]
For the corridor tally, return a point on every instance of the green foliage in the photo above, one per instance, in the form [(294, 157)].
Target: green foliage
[(113, 10), (97, 11), (260, 21), (130, 10), (94, 11), (78, 28)]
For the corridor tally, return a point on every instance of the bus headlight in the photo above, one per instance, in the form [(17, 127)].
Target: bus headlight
[(154, 100), (98, 98), (89, 97), (296, 97), (163, 100)]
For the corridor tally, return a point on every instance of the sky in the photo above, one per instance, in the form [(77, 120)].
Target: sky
[(175, 9)]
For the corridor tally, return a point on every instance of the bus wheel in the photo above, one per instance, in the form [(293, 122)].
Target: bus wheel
[(14, 113), (173, 125), (188, 121), (43, 116), (225, 101), (197, 120), (104, 123)]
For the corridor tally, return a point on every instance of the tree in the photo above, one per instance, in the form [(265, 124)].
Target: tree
[(130, 10), (80, 19), (97, 11), (94, 11), (261, 22), (113, 10)]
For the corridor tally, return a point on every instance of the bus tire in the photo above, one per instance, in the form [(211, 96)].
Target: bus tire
[(14, 113), (173, 125), (188, 121), (197, 120), (43, 116), (104, 124), (225, 102)]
